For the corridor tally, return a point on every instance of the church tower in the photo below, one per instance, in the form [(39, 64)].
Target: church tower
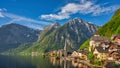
[(65, 49)]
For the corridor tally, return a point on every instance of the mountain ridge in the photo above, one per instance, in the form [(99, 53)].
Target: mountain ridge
[(12, 35), (112, 26), (73, 30)]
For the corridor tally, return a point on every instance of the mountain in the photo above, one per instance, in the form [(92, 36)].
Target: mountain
[(47, 30), (12, 35), (110, 28), (75, 31)]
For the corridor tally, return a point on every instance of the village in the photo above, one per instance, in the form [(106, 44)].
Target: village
[(102, 52)]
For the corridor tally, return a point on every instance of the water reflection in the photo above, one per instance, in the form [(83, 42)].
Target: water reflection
[(24, 62), (37, 62), (62, 63)]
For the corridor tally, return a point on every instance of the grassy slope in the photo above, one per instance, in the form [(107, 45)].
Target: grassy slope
[(112, 27), (85, 45), (16, 51), (48, 43)]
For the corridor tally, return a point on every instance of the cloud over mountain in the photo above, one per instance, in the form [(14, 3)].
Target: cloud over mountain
[(1, 10), (84, 7), (32, 23)]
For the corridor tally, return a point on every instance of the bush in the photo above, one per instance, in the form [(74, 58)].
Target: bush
[(91, 57), (98, 62)]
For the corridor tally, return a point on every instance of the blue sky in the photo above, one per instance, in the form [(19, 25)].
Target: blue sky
[(39, 13)]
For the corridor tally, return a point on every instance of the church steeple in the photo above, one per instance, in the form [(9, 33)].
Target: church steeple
[(65, 46), (65, 49)]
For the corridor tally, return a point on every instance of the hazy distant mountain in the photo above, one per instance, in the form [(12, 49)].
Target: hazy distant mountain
[(53, 37), (12, 35)]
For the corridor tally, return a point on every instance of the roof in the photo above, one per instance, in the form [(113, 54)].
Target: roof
[(116, 45), (101, 50), (118, 51), (105, 43), (115, 52), (116, 36), (83, 52), (99, 39)]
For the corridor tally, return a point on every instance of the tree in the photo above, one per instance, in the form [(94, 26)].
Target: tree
[(90, 57)]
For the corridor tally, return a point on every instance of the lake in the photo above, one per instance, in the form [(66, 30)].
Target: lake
[(34, 62)]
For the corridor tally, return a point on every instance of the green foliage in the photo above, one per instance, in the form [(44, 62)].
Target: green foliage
[(115, 65), (85, 45), (112, 27), (90, 56), (98, 62), (116, 13), (16, 51)]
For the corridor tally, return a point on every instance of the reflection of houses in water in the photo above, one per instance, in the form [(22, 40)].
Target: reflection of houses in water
[(82, 65), (61, 63), (54, 61), (65, 64), (79, 64), (58, 62), (74, 63)]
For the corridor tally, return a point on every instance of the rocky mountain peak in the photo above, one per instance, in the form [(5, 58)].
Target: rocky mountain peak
[(75, 21), (55, 25)]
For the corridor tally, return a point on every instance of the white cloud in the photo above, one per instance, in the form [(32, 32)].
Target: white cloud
[(54, 16), (1, 15), (84, 7), (1, 10), (23, 20), (26, 21)]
